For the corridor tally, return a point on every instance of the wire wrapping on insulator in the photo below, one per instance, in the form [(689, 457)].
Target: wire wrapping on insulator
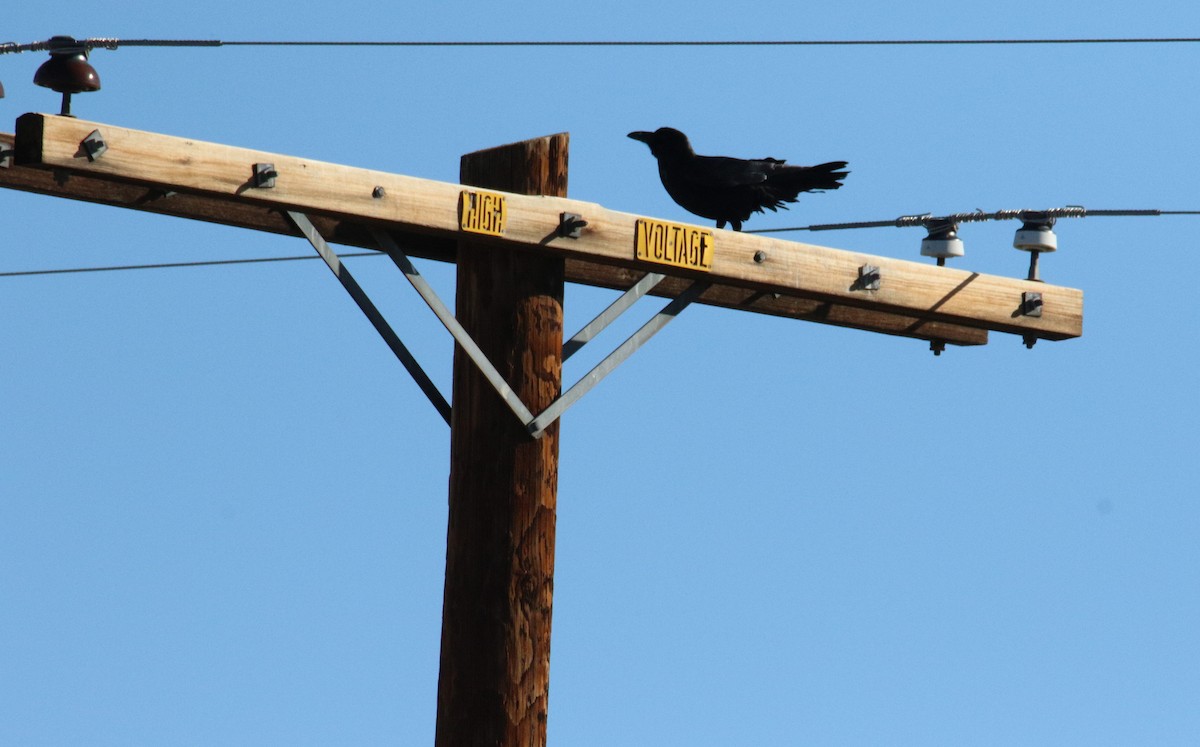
[(1070, 211), (972, 217), (913, 220)]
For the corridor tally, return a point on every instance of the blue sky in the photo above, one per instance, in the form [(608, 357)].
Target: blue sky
[(223, 503)]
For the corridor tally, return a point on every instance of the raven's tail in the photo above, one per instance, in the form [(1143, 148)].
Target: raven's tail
[(817, 178)]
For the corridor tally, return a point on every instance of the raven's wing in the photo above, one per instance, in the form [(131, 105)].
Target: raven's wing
[(720, 171)]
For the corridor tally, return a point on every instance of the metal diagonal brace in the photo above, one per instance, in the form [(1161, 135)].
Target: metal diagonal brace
[(447, 318), (612, 313), (617, 357), (372, 313)]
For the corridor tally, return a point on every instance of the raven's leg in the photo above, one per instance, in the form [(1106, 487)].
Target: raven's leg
[(737, 224), (720, 224)]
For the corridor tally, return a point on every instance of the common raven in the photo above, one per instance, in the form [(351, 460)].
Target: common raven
[(728, 190)]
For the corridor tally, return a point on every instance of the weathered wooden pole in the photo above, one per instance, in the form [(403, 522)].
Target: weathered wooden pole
[(495, 662)]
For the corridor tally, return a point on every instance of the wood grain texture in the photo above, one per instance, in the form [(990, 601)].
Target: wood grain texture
[(493, 688), (424, 207)]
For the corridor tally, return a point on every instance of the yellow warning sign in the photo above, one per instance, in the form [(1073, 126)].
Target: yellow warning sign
[(482, 212), (674, 244)]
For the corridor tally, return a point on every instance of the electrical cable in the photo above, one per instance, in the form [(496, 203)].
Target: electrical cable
[(165, 265), (1073, 211), (112, 43)]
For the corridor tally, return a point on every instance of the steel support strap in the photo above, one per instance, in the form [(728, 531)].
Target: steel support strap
[(372, 313), (535, 425), (612, 313), (617, 357)]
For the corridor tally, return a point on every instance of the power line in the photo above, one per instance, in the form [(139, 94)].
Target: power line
[(113, 43), (923, 219), (710, 43), (165, 265)]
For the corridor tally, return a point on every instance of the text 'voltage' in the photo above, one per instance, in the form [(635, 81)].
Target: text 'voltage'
[(673, 244)]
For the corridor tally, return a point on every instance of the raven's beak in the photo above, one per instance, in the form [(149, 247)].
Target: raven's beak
[(645, 137)]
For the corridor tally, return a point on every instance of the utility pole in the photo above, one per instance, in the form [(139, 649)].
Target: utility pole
[(514, 249), (495, 662)]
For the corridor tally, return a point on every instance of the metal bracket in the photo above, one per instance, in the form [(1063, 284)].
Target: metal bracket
[(93, 146), (571, 225), (264, 176), (868, 278), (1031, 304)]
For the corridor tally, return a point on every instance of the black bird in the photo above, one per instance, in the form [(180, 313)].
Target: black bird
[(728, 190)]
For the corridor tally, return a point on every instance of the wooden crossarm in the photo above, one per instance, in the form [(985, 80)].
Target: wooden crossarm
[(213, 182)]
